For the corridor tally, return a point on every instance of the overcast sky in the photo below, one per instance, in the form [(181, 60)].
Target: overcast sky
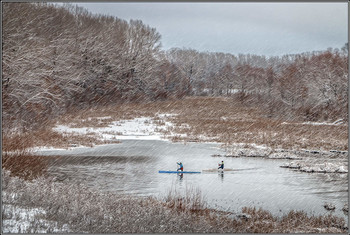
[(256, 28)]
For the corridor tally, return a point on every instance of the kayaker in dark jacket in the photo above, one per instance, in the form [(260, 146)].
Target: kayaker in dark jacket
[(221, 166)]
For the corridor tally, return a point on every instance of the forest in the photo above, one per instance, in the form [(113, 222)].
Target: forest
[(57, 59)]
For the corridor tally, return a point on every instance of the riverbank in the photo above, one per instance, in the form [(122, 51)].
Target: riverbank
[(243, 131), (310, 161), (193, 119), (49, 207)]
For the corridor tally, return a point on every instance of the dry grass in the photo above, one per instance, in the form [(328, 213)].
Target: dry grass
[(224, 120), (189, 201), (16, 142), (262, 221), (197, 119), (92, 122), (50, 138), (24, 165), (17, 159), (84, 211)]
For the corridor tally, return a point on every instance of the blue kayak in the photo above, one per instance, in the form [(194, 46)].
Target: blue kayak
[(180, 172)]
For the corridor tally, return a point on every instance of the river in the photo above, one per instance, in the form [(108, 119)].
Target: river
[(132, 166)]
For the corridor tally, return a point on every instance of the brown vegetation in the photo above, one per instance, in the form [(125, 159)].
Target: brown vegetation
[(50, 138), (17, 159), (96, 212), (192, 201), (24, 165), (197, 119), (224, 120), (17, 156)]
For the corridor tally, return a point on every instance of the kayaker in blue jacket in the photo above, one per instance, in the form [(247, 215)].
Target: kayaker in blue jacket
[(181, 167), (221, 166)]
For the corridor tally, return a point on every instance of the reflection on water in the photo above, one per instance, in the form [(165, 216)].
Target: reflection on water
[(180, 178), (221, 175), (132, 168)]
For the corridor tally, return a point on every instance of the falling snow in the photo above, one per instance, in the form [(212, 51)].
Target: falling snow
[(95, 110)]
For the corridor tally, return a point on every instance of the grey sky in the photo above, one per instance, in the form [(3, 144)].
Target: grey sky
[(256, 28)]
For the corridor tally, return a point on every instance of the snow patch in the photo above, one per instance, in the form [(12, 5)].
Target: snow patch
[(100, 118), (319, 123), (248, 150), (164, 115), (144, 128), (283, 155), (27, 220), (44, 148), (335, 123), (325, 167)]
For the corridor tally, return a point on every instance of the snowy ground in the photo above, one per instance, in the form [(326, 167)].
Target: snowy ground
[(311, 161), (27, 220), (318, 166), (143, 128), (336, 123)]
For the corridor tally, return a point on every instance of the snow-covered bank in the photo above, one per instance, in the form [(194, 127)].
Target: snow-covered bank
[(254, 150), (28, 220), (319, 161), (326, 167), (141, 128), (304, 160), (335, 123), (137, 128)]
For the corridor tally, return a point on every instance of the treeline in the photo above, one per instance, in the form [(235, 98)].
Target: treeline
[(309, 86), (59, 58)]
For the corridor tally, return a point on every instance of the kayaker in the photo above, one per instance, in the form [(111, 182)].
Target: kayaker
[(181, 167), (221, 166)]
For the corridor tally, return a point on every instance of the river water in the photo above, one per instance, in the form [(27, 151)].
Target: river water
[(132, 166)]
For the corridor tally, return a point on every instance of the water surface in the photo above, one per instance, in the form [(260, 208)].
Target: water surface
[(132, 166)]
